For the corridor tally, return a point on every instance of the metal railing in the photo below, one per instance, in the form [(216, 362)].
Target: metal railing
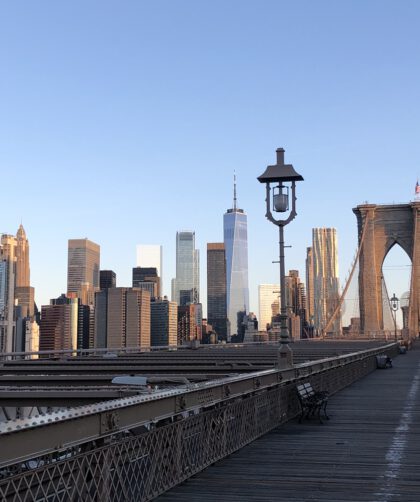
[(133, 449)]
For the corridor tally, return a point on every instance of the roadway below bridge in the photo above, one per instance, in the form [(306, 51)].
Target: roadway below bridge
[(369, 450), (74, 381)]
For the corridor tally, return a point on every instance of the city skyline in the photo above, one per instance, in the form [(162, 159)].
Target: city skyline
[(156, 340), (393, 271), (100, 109)]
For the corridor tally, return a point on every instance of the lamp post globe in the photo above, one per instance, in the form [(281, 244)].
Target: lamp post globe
[(395, 305), (280, 179)]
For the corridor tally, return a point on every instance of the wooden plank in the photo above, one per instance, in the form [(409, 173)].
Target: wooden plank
[(368, 451)]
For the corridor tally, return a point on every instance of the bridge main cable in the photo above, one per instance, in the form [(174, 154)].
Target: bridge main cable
[(346, 287)]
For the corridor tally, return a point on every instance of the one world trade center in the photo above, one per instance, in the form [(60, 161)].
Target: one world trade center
[(235, 229)]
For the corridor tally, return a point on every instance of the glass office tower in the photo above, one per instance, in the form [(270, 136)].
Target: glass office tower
[(186, 285), (235, 229)]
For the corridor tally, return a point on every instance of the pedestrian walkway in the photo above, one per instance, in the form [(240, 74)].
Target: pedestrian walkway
[(368, 451)]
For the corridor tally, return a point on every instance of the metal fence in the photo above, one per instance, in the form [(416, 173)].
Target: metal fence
[(139, 463)]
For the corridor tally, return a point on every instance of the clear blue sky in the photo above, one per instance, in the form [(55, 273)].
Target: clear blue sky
[(123, 121)]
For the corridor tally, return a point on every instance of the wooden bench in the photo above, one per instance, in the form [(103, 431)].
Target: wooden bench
[(312, 402)]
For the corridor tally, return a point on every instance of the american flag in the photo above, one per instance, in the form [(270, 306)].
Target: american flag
[(417, 187)]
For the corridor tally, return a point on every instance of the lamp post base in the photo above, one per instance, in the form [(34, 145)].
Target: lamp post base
[(284, 357), (285, 353)]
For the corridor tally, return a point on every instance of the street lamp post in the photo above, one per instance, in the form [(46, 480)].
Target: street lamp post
[(395, 303), (283, 177)]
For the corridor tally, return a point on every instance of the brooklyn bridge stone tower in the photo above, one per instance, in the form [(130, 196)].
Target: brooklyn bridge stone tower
[(380, 227)]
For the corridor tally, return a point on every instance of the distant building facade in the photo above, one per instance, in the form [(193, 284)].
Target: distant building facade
[(107, 279), (268, 301), (310, 286), (22, 259), (151, 256), (31, 337), (296, 304), (58, 328), (164, 322), (326, 281), (235, 230), (83, 269), (186, 284), (16, 294), (25, 298), (122, 318), (217, 289), (7, 292), (147, 278), (189, 323), (85, 326)]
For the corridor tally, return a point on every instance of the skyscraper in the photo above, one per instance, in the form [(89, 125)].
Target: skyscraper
[(16, 294), (31, 337), (58, 329), (24, 293), (296, 302), (7, 292), (122, 318), (186, 285), (310, 286), (216, 288), (295, 294), (164, 322), (326, 282), (107, 279), (236, 247), (83, 269), (147, 278), (189, 323), (22, 259), (151, 256), (85, 326), (25, 298), (3, 285), (268, 294)]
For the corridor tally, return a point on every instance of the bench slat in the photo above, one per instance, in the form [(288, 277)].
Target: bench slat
[(312, 401)]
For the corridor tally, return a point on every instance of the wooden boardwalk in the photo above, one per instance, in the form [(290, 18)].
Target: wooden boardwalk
[(368, 451)]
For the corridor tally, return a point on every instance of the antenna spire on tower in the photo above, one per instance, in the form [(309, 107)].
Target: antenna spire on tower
[(234, 190)]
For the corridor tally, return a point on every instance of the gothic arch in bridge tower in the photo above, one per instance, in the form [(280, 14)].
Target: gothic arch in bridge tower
[(386, 225)]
